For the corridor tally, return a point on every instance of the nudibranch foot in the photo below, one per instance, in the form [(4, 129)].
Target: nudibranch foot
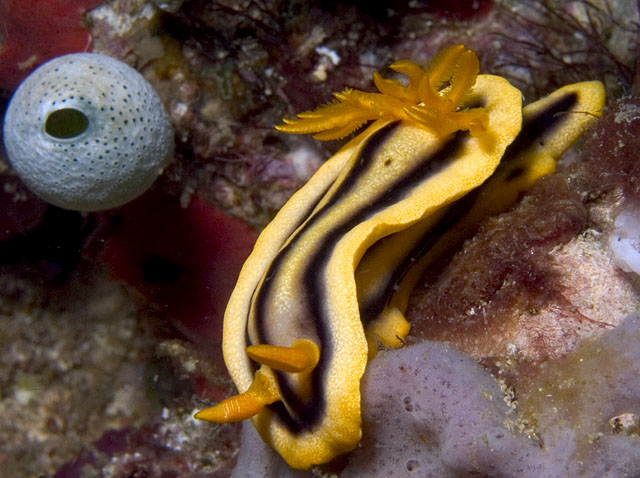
[(263, 391), (434, 99), (389, 329)]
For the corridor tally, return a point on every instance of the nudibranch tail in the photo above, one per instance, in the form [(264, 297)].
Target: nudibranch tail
[(434, 99)]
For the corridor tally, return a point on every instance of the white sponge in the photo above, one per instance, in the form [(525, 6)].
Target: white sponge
[(624, 242), (87, 132)]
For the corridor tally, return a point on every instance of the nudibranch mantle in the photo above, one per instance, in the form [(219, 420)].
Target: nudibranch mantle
[(298, 284)]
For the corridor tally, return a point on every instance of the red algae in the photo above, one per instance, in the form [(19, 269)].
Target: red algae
[(502, 269), (184, 261), (34, 31), (611, 159)]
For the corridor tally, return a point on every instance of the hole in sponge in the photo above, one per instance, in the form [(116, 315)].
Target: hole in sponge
[(66, 123), (413, 465)]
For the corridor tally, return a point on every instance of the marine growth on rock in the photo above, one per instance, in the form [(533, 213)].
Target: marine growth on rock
[(87, 132)]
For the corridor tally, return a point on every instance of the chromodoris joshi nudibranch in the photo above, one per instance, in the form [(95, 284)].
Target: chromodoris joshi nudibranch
[(321, 288)]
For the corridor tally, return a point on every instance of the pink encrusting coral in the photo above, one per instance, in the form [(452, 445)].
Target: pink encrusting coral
[(33, 31), (184, 262)]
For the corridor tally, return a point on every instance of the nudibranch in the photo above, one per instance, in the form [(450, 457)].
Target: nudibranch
[(293, 340)]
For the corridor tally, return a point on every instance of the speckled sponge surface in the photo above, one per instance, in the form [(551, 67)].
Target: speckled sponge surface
[(87, 132)]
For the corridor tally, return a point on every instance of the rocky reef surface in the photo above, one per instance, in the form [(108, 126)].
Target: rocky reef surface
[(523, 350)]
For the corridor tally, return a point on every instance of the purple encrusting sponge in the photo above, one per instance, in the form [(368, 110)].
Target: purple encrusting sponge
[(429, 410)]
